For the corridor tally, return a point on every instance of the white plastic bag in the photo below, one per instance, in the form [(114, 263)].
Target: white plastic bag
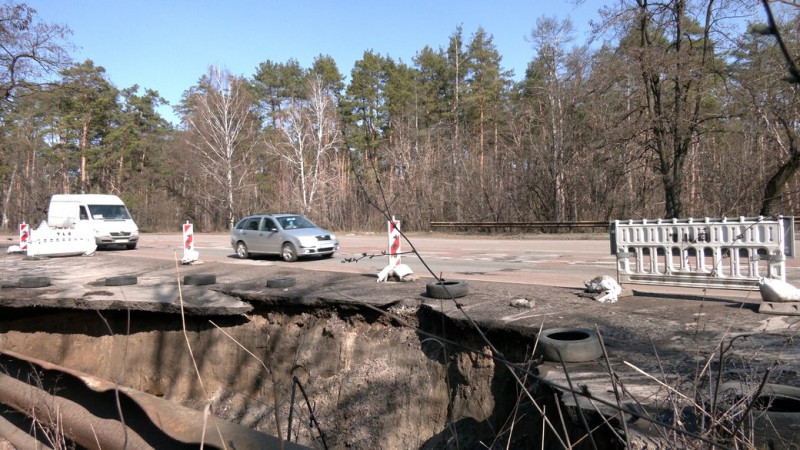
[(773, 290), (606, 285)]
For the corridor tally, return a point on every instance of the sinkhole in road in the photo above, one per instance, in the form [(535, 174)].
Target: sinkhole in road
[(371, 381)]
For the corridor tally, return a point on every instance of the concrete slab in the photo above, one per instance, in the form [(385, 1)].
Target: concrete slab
[(787, 308), (79, 283)]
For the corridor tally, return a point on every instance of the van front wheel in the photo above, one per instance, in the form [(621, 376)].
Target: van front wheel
[(131, 246)]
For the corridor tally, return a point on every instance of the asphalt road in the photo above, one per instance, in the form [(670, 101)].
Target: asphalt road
[(560, 262), (566, 263)]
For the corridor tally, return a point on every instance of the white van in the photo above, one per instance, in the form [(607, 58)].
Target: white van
[(107, 214)]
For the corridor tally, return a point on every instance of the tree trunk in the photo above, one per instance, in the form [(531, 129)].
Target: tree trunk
[(84, 145), (7, 199), (777, 183)]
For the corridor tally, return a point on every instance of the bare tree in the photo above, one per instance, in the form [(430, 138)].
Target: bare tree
[(30, 53), (222, 130), (779, 110), (307, 138), (549, 38), (30, 50), (676, 49)]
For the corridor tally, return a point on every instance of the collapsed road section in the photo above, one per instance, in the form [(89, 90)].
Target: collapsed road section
[(339, 361)]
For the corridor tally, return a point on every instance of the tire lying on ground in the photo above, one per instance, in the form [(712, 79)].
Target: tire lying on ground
[(122, 280), (447, 288), (199, 279), (569, 345), (33, 282), (776, 411), (283, 282)]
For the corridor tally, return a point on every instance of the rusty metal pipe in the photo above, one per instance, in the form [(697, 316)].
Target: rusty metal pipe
[(96, 413)]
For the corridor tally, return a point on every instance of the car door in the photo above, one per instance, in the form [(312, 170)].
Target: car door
[(251, 235), (270, 236)]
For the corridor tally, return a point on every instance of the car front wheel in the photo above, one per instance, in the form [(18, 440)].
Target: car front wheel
[(241, 250), (289, 253)]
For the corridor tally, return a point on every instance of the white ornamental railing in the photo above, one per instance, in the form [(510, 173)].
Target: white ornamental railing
[(75, 240), (715, 253)]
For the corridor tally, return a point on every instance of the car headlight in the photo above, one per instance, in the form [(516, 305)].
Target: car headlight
[(307, 241), (333, 236), (135, 233)]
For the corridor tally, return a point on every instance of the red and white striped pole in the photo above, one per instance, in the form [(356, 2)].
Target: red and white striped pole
[(398, 271), (24, 236), (188, 236), (189, 254), (394, 242)]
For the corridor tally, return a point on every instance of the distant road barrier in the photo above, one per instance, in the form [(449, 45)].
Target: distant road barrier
[(585, 224)]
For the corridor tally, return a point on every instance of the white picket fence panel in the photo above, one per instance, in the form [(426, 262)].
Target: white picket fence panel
[(715, 253)]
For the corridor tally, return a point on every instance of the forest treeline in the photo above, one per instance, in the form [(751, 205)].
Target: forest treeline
[(675, 109)]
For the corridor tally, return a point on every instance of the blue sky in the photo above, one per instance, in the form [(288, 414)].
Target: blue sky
[(167, 45)]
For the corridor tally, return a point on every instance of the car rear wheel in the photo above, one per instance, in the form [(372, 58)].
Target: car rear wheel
[(241, 250), (289, 253)]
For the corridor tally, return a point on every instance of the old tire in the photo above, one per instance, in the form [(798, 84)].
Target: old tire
[(776, 418), (284, 282), (199, 279), (122, 280), (33, 282), (241, 250), (569, 345), (447, 289), (288, 252)]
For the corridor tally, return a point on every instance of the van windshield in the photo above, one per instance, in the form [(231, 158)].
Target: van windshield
[(109, 212)]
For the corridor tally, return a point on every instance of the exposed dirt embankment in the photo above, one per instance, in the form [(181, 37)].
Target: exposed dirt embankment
[(371, 382)]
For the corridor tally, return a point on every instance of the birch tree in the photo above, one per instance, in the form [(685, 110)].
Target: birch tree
[(549, 37), (222, 127), (306, 141)]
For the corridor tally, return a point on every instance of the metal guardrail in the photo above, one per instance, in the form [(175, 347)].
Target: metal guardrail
[(543, 225)]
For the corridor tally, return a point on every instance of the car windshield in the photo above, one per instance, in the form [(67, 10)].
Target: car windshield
[(295, 222), (109, 212)]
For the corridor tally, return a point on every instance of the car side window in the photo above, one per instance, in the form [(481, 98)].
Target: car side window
[(268, 225), (252, 225)]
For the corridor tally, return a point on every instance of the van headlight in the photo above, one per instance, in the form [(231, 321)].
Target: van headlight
[(135, 233)]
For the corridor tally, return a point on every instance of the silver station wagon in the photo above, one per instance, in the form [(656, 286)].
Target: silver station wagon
[(288, 235)]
